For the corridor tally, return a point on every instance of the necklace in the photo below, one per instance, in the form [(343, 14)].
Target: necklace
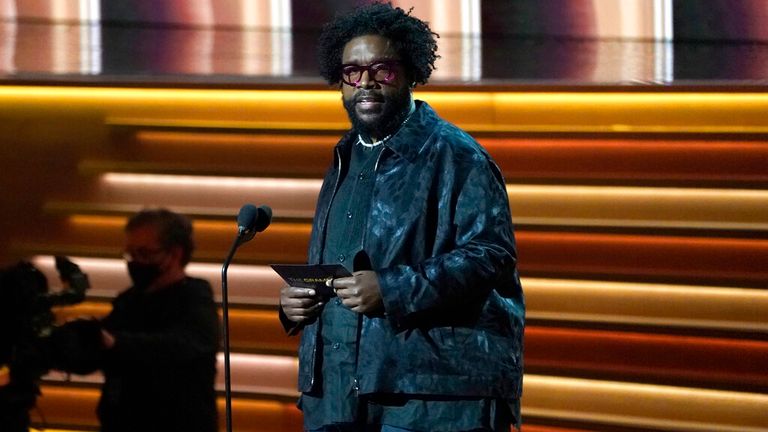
[(373, 144), (383, 140)]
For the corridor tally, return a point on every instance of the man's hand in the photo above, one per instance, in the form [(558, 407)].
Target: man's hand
[(359, 292), (299, 304)]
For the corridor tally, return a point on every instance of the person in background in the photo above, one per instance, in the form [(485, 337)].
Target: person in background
[(157, 347), (427, 333)]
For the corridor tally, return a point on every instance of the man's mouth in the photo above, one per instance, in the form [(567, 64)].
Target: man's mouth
[(366, 101)]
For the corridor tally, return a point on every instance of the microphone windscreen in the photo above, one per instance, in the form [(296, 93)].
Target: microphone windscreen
[(246, 218), (263, 218)]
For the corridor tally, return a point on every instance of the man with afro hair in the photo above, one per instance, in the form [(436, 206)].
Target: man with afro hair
[(426, 334)]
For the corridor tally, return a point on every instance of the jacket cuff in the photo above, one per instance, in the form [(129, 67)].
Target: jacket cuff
[(394, 309), (288, 325)]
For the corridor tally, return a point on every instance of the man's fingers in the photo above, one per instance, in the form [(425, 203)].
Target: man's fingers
[(344, 282), (301, 313), (360, 292), (300, 302), (348, 293), (302, 292), (356, 306), (293, 292), (350, 302)]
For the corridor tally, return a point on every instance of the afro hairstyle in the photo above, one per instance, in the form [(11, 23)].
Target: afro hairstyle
[(411, 37)]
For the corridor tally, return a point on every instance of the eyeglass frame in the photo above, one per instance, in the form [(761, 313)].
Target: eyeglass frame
[(371, 72), (143, 254)]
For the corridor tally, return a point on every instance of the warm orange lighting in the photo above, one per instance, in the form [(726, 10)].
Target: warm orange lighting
[(250, 373), (580, 192), (631, 159), (98, 221), (636, 356), (633, 405), (643, 389), (210, 195), (628, 288), (118, 179), (689, 306), (661, 207), (623, 206), (212, 138), (272, 362), (207, 225), (474, 111), (64, 405), (254, 405), (261, 373), (723, 307), (690, 258), (210, 271), (5, 375), (33, 429), (93, 264)]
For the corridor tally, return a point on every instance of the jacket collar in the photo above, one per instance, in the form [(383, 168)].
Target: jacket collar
[(412, 136)]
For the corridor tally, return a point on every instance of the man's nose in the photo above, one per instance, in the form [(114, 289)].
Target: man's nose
[(365, 80)]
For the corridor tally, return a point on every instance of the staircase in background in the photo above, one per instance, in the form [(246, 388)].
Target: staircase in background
[(641, 220)]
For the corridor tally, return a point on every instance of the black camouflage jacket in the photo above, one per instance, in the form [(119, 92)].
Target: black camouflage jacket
[(439, 235)]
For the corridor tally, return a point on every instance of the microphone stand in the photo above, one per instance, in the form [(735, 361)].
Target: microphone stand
[(242, 237)]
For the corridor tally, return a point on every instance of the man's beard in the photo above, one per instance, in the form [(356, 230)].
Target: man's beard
[(396, 109)]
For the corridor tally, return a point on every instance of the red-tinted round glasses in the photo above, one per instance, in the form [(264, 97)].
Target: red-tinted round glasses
[(382, 72)]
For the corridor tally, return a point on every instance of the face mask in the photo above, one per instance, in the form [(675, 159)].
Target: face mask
[(143, 274)]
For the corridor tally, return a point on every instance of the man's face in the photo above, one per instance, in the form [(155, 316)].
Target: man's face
[(149, 264), (142, 245), (375, 108)]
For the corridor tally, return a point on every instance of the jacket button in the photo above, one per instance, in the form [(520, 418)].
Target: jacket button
[(342, 257), (336, 345)]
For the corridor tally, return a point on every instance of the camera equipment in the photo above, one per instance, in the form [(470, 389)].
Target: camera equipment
[(26, 324)]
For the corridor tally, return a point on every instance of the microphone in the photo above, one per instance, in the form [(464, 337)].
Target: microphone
[(250, 220), (246, 218), (263, 218)]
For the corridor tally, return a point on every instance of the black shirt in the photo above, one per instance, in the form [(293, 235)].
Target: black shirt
[(336, 400), (160, 374)]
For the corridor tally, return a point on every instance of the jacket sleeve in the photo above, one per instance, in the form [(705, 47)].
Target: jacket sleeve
[(290, 327), (480, 256)]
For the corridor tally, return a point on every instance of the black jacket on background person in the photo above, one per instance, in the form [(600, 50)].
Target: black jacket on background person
[(439, 235), (160, 374)]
